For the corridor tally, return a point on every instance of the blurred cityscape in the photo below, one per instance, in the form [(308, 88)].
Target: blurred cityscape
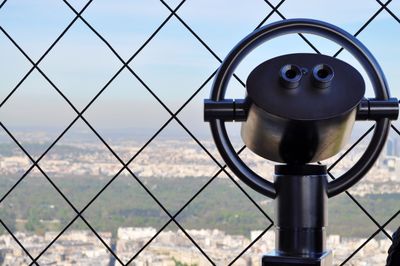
[(172, 247), (162, 159)]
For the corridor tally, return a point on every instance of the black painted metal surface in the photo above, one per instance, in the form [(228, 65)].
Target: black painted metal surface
[(346, 40), (301, 209), (295, 141), (302, 107), (307, 101), (301, 216)]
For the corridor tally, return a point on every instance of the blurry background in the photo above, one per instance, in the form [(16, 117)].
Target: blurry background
[(104, 155)]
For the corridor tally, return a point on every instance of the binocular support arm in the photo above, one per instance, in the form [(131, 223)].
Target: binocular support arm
[(218, 109), (230, 110), (373, 109)]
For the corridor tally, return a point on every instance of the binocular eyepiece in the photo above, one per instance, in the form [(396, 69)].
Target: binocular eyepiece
[(292, 74)]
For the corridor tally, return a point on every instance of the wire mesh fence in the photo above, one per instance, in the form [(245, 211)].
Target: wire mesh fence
[(172, 117)]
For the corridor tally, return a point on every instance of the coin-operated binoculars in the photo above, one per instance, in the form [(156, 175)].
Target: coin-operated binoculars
[(300, 109)]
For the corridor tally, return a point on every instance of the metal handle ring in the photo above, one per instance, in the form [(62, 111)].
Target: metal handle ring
[(323, 29)]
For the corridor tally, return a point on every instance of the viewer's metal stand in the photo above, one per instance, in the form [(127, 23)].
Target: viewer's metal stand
[(301, 217), (300, 109)]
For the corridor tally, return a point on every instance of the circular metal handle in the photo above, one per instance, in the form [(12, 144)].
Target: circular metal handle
[(341, 37)]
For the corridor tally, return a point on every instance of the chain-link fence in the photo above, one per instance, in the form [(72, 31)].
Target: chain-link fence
[(173, 117)]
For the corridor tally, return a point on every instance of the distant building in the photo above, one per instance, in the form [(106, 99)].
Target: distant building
[(132, 233), (390, 147), (393, 147), (391, 163)]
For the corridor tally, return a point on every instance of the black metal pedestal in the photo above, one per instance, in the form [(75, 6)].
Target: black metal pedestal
[(301, 217), (324, 259)]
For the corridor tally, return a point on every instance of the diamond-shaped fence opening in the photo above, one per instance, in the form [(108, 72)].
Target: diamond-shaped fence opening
[(174, 63), (135, 22), (70, 64), (142, 77), (182, 159), (131, 120), (68, 163)]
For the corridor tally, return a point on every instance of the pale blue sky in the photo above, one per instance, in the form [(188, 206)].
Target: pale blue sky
[(174, 64)]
